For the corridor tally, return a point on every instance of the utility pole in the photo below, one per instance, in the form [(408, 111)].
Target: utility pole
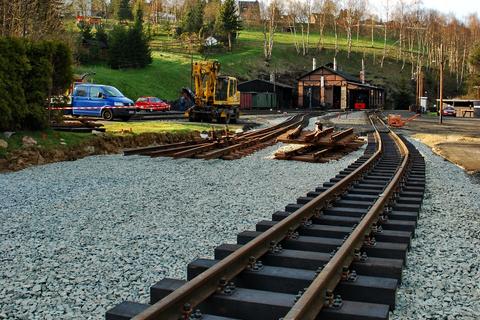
[(417, 87), (441, 84), (191, 63)]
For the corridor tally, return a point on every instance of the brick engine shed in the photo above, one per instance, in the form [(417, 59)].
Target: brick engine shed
[(328, 88)]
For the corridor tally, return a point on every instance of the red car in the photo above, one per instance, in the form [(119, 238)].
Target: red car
[(449, 111), (151, 104)]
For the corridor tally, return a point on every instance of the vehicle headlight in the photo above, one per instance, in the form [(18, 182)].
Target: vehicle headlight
[(118, 104)]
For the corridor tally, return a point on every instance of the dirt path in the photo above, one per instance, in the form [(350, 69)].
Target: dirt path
[(457, 139)]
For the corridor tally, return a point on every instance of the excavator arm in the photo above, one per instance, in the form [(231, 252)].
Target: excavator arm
[(205, 75)]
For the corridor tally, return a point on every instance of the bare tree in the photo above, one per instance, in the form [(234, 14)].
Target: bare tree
[(271, 14), (335, 16), (349, 17), (293, 17), (324, 10), (307, 13), (299, 15), (399, 15), (385, 23), (156, 8), (34, 19), (360, 10), (372, 26)]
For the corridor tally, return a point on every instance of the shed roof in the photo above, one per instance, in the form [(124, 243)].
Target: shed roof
[(277, 84), (345, 75), (366, 85), (348, 77)]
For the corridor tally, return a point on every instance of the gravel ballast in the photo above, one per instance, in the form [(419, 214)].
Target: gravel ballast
[(76, 238), (442, 278)]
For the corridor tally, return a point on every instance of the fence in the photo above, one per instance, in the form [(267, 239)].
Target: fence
[(179, 46)]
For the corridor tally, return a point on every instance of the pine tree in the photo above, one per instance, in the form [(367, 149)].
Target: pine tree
[(229, 20), (193, 20), (142, 51), (129, 48), (402, 96), (124, 10)]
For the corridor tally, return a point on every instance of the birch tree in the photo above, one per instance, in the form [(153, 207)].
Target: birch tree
[(385, 23), (271, 14), (326, 9)]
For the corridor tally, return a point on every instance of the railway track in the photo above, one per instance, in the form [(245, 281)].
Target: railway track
[(337, 253), (227, 147)]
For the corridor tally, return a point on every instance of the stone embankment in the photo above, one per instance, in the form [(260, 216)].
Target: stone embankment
[(32, 154)]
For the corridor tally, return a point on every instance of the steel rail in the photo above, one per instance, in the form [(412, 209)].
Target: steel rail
[(268, 129), (205, 284), (191, 148), (315, 297), (133, 151), (246, 141)]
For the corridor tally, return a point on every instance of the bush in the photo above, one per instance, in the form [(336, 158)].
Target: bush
[(91, 47), (30, 72), (402, 96), (14, 66)]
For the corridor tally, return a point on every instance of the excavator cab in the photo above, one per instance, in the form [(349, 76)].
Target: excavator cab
[(226, 92)]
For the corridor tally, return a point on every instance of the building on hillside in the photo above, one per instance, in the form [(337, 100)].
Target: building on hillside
[(249, 11), (327, 87), (245, 5), (260, 93)]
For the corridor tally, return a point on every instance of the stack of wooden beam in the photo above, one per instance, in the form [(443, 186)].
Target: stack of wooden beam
[(320, 145)]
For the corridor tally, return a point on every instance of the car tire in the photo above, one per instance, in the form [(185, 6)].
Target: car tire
[(107, 114)]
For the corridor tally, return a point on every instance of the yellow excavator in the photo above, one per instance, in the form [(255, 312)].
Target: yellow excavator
[(216, 97)]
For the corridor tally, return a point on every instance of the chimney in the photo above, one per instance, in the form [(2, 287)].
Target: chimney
[(334, 63), (362, 72), (314, 64)]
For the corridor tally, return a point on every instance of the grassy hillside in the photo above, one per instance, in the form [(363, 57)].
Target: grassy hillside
[(170, 72)]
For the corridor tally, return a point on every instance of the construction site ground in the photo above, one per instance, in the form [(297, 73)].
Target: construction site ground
[(457, 139)]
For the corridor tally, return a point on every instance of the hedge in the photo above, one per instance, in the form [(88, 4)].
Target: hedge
[(30, 72)]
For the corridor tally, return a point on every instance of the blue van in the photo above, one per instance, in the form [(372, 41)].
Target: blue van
[(97, 100)]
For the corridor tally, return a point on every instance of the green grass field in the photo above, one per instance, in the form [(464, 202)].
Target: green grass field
[(138, 127), (169, 72), (50, 139)]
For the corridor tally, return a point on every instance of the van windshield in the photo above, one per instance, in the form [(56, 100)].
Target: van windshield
[(112, 91)]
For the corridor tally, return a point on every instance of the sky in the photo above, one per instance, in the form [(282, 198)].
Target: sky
[(460, 8)]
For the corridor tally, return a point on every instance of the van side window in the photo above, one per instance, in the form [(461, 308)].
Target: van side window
[(95, 92), (80, 92)]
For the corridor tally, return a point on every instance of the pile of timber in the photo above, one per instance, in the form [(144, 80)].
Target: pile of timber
[(223, 146), (78, 125), (320, 145)]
